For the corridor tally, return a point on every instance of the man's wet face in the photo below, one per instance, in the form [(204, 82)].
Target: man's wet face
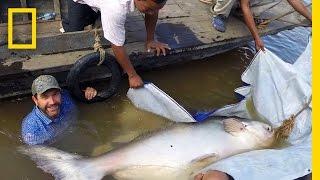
[(49, 102), (148, 6)]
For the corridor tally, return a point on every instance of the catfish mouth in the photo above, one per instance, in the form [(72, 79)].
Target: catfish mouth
[(264, 133)]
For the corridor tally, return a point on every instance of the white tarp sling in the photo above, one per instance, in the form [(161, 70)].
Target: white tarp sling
[(277, 90), (152, 99), (276, 164)]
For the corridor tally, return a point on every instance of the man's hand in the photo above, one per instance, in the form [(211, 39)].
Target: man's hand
[(135, 81), (259, 44), (90, 93), (157, 46)]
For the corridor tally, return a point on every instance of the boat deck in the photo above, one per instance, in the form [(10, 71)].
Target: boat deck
[(183, 24)]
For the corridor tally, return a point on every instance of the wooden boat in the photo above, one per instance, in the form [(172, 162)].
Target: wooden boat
[(184, 24)]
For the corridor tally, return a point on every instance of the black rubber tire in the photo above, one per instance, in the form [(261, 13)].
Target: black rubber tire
[(90, 60)]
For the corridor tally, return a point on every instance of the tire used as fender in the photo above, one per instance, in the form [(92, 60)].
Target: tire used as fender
[(90, 60)]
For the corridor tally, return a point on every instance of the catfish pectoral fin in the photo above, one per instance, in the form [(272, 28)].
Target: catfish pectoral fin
[(233, 126), (203, 161)]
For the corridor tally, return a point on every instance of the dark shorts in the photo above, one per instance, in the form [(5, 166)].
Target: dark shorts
[(79, 16)]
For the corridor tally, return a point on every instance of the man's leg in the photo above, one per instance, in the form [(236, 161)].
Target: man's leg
[(223, 7), (221, 12), (300, 8), (79, 16), (258, 7)]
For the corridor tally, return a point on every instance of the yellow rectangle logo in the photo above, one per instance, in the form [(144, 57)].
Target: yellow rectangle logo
[(33, 44)]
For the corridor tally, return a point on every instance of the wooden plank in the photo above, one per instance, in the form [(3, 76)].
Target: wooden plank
[(20, 83), (184, 24), (24, 5), (188, 47), (172, 11), (57, 9)]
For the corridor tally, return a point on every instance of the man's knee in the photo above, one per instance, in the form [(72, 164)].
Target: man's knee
[(79, 16)]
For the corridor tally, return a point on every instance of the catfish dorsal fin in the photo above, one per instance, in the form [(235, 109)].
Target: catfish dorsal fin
[(233, 126)]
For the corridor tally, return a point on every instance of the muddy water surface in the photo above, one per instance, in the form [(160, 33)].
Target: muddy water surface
[(101, 127)]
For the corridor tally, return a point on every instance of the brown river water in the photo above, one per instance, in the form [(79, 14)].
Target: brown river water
[(101, 127)]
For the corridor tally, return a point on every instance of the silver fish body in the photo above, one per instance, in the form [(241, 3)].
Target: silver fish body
[(173, 153)]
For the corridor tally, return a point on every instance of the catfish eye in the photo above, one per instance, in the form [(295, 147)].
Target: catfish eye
[(244, 124)]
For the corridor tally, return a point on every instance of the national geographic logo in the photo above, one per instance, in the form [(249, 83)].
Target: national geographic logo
[(33, 12)]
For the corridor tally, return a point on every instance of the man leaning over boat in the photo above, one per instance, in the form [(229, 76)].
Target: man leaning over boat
[(222, 10), (113, 18)]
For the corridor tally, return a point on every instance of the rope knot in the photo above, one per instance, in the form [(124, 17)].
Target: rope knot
[(98, 47), (282, 133)]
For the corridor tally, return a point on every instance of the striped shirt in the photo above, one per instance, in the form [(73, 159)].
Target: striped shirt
[(37, 128)]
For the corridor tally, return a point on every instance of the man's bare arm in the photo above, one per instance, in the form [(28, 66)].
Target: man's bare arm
[(123, 59), (248, 19), (150, 23), (300, 8)]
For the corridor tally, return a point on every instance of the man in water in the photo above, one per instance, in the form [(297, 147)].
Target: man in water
[(113, 17), (53, 112)]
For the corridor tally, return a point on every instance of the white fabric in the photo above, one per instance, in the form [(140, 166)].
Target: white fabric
[(277, 164), (277, 90), (151, 98), (113, 17)]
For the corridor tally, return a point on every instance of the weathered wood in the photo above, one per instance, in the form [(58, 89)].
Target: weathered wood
[(57, 9), (183, 24), (24, 5), (19, 82)]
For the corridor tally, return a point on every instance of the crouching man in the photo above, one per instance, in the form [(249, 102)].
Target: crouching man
[(113, 15)]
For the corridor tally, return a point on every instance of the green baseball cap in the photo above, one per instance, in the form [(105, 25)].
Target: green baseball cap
[(43, 83)]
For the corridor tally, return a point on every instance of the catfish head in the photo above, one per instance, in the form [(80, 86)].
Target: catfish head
[(260, 133)]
